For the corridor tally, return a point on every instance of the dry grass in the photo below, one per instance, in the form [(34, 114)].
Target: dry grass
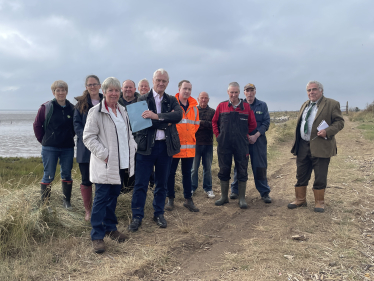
[(221, 243)]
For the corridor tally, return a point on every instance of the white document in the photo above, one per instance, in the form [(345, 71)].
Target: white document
[(322, 126)]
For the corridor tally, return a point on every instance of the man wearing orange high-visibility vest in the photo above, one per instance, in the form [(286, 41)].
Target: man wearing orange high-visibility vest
[(187, 128)]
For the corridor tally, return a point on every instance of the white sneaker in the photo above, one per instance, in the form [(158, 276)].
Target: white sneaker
[(210, 194)]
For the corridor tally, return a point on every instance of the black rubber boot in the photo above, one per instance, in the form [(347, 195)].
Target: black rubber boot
[(45, 195), (242, 185), (225, 185), (170, 205), (66, 190)]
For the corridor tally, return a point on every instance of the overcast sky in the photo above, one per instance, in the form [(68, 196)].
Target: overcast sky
[(277, 45)]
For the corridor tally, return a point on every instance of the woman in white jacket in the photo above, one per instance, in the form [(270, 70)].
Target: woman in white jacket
[(107, 134)]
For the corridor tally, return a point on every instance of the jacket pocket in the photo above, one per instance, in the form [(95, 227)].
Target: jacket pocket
[(141, 140), (175, 142)]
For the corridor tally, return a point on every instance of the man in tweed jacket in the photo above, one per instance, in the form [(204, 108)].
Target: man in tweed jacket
[(314, 147)]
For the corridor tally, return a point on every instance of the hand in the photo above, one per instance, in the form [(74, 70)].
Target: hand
[(106, 160), (322, 134), (149, 115), (252, 139)]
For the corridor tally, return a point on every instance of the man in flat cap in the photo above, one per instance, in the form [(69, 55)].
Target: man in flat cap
[(257, 146)]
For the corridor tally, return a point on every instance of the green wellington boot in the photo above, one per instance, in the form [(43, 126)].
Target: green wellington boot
[(225, 185)]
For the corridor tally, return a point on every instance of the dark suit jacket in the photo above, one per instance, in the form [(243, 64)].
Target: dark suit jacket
[(328, 110)]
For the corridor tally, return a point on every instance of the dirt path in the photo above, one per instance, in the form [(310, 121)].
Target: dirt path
[(227, 243)]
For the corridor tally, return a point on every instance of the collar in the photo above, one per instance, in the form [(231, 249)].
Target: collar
[(199, 107), (317, 102), (240, 104), (106, 105), (156, 95)]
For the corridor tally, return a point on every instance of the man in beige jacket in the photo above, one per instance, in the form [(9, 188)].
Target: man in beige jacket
[(314, 146)]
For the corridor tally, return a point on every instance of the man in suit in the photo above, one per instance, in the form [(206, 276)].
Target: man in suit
[(314, 147)]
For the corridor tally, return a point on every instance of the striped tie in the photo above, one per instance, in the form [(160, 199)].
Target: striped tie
[(306, 118)]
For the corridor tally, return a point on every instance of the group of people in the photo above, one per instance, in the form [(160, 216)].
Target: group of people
[(116, 159)]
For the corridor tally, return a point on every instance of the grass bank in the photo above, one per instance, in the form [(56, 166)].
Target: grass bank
[(35, 245), (366, 120)]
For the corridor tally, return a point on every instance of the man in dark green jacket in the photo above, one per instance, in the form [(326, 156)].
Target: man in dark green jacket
[(319, 120), (156, 147)]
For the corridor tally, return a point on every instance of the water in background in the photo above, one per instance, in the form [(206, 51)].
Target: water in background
[(17, 137)]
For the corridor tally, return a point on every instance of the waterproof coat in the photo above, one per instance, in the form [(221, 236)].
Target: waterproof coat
[(328, 110), (187, 129), (171, 114), (100, 137), (83, 154), (232, 126)]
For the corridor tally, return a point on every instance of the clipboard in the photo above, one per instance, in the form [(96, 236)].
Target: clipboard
[(135, 111)]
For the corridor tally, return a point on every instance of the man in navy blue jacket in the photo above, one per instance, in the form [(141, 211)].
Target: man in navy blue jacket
[(257, 146)]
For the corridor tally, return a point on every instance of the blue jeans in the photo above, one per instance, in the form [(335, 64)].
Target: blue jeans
[(186, 177), (144, 167), (204, 152), (258, 153), (50, 156), (103, 217)]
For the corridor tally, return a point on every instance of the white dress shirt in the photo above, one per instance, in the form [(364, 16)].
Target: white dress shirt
[(160, 134), (311, 117)]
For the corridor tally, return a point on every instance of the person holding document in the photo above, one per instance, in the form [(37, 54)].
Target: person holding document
[(319, 120), (156, 147)]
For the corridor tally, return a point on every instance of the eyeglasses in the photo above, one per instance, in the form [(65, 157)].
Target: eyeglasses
[(92, 85), (314, 89), (249, 90)]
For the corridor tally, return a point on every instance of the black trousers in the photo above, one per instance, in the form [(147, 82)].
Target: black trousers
[(306, 164), (85, 172), (225, 162)]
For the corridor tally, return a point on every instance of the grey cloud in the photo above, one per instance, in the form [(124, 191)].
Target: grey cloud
[(278, 46)]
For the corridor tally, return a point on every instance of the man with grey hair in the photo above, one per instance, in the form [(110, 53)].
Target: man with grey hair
[(319, 120), (204, 146), (156, 147), (143, 86), (232, 123), (129, 94), (257, 145)]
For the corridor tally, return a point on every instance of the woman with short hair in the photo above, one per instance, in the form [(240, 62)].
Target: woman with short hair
[(53, 128), (89, 99), (107, 134)]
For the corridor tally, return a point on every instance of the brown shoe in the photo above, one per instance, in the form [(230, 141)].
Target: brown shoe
[(300, 201), (116, 235), (98, 246)]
